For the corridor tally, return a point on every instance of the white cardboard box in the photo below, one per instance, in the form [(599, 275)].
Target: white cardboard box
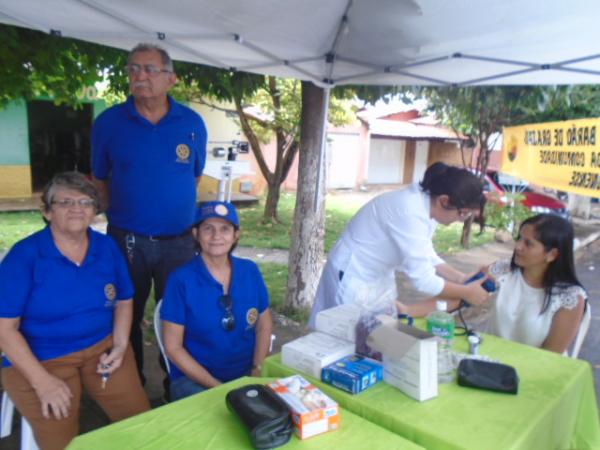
[(409, 358), (339, 321), (310, 353)]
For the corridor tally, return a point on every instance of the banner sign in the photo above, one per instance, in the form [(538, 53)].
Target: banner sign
[(560, 155)]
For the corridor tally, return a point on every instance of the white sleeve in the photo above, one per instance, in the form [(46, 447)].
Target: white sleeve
[(411, 238)]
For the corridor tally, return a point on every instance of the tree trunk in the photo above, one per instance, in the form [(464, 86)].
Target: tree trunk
[(273, 194), (308, 230)]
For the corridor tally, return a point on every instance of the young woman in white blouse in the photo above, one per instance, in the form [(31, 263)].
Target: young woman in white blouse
[(539, 301)]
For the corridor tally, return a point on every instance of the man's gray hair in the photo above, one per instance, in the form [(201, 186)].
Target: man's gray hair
[(146, 47)]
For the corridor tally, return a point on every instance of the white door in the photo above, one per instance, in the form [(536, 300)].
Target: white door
[(421, 154), (386, 161), (343, 158)]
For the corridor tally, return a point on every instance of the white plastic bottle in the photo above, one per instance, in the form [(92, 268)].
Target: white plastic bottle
[(441, 324)]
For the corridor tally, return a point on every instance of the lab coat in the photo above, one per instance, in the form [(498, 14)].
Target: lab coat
[(390, 233)]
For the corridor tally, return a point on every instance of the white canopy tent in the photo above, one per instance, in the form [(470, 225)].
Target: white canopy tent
[(393, 42)]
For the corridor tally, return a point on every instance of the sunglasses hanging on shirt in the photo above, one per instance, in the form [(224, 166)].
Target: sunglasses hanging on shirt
[(228, 321)]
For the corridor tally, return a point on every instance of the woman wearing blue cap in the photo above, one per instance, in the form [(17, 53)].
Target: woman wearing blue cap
[(216, 320)]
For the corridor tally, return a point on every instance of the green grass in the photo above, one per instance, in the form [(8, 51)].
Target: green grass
[(257, 234), (14, 226), (446, 240)]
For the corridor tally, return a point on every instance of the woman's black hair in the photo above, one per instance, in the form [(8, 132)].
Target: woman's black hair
[(463, 188), (554, 232)]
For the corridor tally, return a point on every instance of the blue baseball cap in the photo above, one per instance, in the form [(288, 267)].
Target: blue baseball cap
[(220, 210)]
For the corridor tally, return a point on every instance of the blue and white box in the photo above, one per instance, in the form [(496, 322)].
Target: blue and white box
[(353, 373)]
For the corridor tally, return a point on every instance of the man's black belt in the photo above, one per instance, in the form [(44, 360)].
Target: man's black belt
[(162, 237)]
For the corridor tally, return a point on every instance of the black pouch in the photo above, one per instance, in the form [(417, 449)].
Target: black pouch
[(265, 415), (488, 375)]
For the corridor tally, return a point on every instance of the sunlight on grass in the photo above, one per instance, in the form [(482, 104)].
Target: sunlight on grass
[(17, 225)]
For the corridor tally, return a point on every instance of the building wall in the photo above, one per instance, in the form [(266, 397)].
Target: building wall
[(222, 129), (447, 152), (15, 173)]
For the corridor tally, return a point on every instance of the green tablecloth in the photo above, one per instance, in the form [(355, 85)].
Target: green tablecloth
[(554, 409), (204, 422)]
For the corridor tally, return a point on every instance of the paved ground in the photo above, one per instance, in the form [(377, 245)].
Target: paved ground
[(588, 263)]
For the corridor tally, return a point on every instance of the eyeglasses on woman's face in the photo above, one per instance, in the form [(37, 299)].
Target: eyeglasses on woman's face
[(69, 203), (228, 320)]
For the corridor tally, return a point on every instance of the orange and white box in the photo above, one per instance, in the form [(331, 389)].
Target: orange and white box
[(312, 411)]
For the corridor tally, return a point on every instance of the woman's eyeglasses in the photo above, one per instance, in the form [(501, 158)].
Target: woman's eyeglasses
[(66, 203), (228, 321)]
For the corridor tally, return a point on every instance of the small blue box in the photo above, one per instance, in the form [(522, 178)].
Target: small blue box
[(353, 373)]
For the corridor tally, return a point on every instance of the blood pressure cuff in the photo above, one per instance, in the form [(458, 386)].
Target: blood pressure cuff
[(264, 414), (488, 375)]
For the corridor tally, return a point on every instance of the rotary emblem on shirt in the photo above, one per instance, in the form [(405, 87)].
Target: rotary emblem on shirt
[(110, 293), (183, 153), (252, 316)]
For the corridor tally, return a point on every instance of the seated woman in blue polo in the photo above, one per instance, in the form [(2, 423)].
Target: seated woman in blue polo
[(215, 311), (65, 317)]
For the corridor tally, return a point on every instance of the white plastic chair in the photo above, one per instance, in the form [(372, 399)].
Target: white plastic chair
[(583, 329), (158, 334), (6, 419)]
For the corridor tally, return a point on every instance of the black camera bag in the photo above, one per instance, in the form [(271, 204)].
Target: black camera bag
[(265, 415)]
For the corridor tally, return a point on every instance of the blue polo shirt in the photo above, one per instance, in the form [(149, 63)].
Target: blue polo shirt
[(151, 168), (192, 299), (63, 307)]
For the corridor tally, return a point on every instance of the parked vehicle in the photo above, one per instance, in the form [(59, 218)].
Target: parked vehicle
[(497, 185)]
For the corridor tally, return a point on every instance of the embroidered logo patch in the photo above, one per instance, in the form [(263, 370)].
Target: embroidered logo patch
[(221, 210), (110, 292), (183, 153), (252, 316)]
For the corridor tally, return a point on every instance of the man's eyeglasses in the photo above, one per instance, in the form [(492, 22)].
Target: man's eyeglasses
[(228, 321), (151, 70), (66, 203)]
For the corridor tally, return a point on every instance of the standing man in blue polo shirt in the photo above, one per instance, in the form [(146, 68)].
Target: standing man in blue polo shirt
[(147, 158)]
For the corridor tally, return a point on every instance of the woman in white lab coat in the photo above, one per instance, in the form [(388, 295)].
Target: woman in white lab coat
[(393, 232)]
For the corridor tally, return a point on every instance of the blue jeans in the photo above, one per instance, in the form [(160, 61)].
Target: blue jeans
[(184, 387), (149, 261)]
